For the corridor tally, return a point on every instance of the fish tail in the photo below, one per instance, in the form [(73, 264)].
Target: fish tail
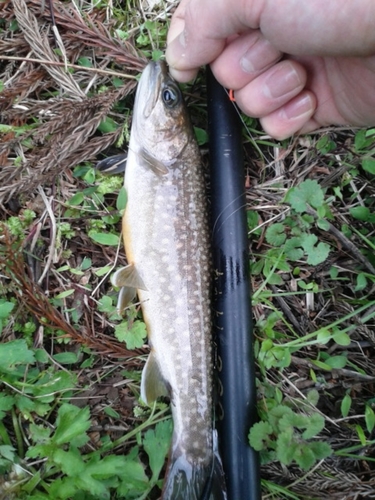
[(192, 481)]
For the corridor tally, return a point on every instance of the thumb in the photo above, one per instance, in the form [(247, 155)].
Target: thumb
[(198, 33)]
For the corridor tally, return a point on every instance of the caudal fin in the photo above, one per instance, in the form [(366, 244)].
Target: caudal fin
[(189, 481)]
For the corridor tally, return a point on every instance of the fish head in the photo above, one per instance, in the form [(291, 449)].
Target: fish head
[(161, 126)]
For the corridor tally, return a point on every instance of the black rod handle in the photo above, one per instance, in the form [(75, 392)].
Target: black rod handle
[(232, 296)]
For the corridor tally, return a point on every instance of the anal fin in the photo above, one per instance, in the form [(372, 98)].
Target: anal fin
[(153, 385)]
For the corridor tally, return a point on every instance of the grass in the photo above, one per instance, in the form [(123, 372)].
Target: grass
[(71, 422)]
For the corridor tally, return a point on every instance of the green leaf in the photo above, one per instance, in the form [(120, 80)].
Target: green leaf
[(275, 279), (307, 193), (286, 447), (323, 336), (14, 353), (105, 238), (360, 213), (70, 461), (49, 383), (260, 435), (341, 338), (292, 248), (40, 434), (76, 199), (7, 451), (313, 397), (107, 125), (369, 418), (133, 479), (71, 423), (322, 224), (66, 358), (336, 361), (325, 144), (361, 434), (275, 234), (6, 403), (105, 304), (85, 62), (156, 442), (64, 294), (361, 282), (368, 164), (320, 449), (122, 199), (111, 412), (277, 413), (134, 338), (103, 270), (314, 424), (304, 456), (315, 254), (346, 404), (201, 136), (321, 365), (5, 309), (361, 141)]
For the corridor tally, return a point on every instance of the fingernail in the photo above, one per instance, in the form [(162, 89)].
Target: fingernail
[(176, 50), (182, 39), (260, 55), (280, 82), (298, 107)]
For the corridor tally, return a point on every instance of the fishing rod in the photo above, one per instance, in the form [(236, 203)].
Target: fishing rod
[(232, 296)]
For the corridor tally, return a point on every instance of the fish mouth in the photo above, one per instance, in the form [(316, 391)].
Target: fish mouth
[(150, 84)]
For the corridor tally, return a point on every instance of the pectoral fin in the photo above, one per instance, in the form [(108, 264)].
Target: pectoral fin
[(128, 280), (149, 161), (128, 276), (153, 385), (113, 164)]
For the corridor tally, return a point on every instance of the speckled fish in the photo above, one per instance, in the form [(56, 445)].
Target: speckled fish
[(167, 246)]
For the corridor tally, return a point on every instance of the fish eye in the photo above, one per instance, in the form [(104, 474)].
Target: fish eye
[(171, 95)]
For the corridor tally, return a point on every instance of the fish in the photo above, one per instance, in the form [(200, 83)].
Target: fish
[(167, 244)]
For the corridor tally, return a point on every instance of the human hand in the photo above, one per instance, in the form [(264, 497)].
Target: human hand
[(296, 65)]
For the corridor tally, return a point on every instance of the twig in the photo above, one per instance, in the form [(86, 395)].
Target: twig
[(53, 235), (69, 65)]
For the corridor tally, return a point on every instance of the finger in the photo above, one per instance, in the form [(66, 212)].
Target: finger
[(295, 116), (272, 89), (245, 58), (198, 33)]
